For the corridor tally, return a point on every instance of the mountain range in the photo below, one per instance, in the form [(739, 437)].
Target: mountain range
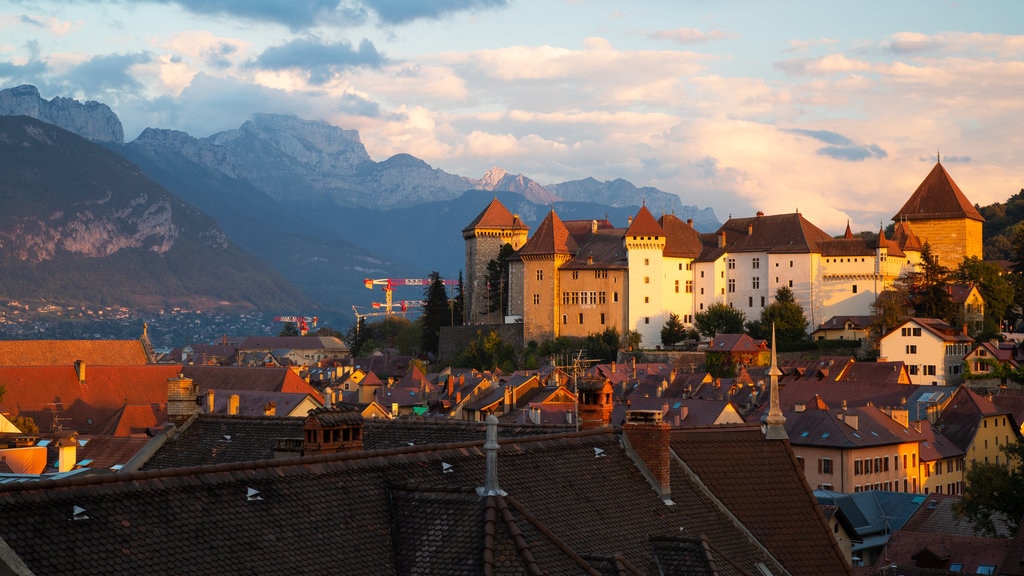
[(303, 197)]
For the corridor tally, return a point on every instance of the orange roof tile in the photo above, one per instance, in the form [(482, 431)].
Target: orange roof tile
[(66, 352), (938, 197), (644, 224), (551, 237), (496, 216)]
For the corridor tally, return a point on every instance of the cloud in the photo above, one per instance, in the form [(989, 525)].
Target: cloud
[(853, 153), (320, 59), (825, 136), (828, 64), (101, 74), (688, 35), (403, 11), (294, 14)]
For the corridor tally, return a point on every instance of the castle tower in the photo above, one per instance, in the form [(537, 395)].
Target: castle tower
[(484, 237), (645, 247), (941, 216), (536, 272)]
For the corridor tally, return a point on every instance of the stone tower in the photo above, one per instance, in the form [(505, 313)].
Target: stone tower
[(941, 216), (535, 279), (484, 237)]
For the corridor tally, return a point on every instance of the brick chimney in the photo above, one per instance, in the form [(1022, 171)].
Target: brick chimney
[(595, 404), (182, 396), (647, 436), (80, 371)]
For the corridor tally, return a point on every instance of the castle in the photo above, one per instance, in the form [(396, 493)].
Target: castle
[(579, 277)]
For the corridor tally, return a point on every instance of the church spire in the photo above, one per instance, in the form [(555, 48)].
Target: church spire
[(775, 428)]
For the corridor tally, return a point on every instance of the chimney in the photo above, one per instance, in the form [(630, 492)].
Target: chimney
[(721, 239), (490, 487), (233, 405), (80, 370), (450, 385), (614, 366), (67, 452), (689, 222), (182, 396), (270, 409), (750, 229), (328, 396), (632, 364), (647, 437), (672, 375), (629, 221), (506, 404), (209, 401), (590, 260), (760, 213), (593, 226)]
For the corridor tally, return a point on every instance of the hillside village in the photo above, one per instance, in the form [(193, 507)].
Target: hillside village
[(266, 454)]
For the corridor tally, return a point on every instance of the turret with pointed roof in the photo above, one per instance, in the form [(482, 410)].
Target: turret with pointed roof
[(940, 214), (494, 227), (538, 261)]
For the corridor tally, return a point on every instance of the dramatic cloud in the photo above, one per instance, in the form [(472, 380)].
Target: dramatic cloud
[(295, 14), (321, 60), (106, 73)]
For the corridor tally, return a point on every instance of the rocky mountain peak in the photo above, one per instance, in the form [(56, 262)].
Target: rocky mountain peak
[(492, 178), (90, 120)]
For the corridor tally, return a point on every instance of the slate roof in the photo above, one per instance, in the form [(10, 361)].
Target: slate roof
[(938, 197), (960, 419), (404, 512), (829, 428), (551, 237), (271, 343), (847, 247), (66, 352), (839, 322), (936, 516), (736, 343), (602, 251), (220, 439), (495, 215), (934, 446), (775, 234)]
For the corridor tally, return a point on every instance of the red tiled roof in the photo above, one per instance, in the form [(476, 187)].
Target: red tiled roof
[(644, 224), (681, 239), (790, 522), (551, 237), (49, 392), (938, 197), (66, 352), (904, 237), (495, 215)]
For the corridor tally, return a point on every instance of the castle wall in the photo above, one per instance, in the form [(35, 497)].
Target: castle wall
[(951, 240)]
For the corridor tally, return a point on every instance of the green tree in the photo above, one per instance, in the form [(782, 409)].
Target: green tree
[(673, 331), (603, 346), (26, 424), (631, 342), (436, 314), (392, 332), (487, 352), (458, 303), (289, 329), (356, 337), (928, 287), (719, 318), (785, 314), (994, 287), (497, 281), (994, 491)]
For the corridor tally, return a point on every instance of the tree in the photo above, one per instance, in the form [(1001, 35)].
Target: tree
[(459, 303), (631, 341), (603, 346), (719, 318), (289, 329), (673, 331), (356, 337), (995, 491), (994, 287), (26, 424), (436, 314), (928, 288), (497, 281), (785, 314)]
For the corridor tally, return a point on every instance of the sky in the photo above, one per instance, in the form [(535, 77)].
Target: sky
[(837, 110)]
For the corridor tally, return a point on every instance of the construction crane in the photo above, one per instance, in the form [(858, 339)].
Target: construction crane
[(301, 322), (388, 286)]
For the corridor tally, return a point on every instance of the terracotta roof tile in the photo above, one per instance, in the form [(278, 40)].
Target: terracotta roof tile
[(495, 215), (66, 352), (681, 239), (644, 224), (938, 197), (551, 237)]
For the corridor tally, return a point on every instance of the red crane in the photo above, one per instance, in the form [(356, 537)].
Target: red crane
[(301, 322), (388, 286)]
